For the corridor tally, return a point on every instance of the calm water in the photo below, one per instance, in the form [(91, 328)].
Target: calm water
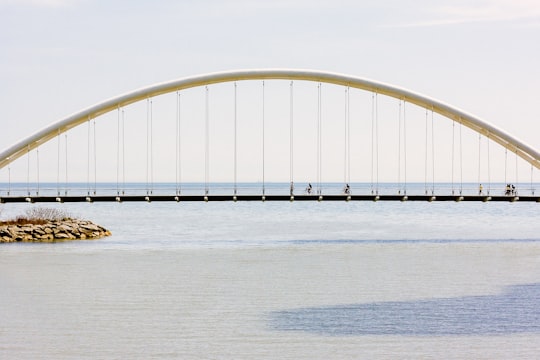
[(279, 280)]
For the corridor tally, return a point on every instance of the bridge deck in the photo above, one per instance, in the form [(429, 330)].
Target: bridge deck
[(207, 198)]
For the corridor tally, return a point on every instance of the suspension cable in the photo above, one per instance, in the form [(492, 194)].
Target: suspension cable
[(95, 159), (178, 144), (88, 159), (399, 149), (28, 170), (66, 141), (123, 152), (151, 146), (488, 165), (460, 158), (347, 150), (505, 166), (117, 150), (453, 152), (37, 165), (377, 141), (517, 182), (426, 156), (432, 154), (147, 144), (207, 144), (319, 140), (404, 149), (348, 137), (235, 140), (532, 188), (345, 139), (58, 165), (372, 138), (479, 161), (291, 137), (263, 149), (374, 144)]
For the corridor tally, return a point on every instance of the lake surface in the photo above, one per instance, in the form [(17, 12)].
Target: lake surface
[(301, 280)]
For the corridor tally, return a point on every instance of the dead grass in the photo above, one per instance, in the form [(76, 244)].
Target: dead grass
[(38, 216)]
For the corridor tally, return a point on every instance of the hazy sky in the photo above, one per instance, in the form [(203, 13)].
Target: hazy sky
[(59, 56)]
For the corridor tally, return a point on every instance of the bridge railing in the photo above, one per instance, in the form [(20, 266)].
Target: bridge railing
[(300, 188)]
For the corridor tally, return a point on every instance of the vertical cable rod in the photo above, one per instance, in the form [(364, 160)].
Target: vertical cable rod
[(207, 144), (345, 138), (453, 153), (488, 166), (66, 142), (123, 152), (372, 140), (291, 137), (235, 139), (399, 148), (88, 160), (263, 144), (479, 161), (58, 165), (505, 166), (117, 150), (532, 188), (95, 159), (426, 156), (377, 142), (28, 170), (37, 168), (9, 179), (404, 149), (348, 139), (432, 154), (151, 146), (460, 158), (319, 138), (178, 144), (374, 144), (147, 145), (517, 182)]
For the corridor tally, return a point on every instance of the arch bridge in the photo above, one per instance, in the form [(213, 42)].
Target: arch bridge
[(491, 132)]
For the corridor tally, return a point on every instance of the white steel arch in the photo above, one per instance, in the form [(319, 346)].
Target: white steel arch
[(500, 136)]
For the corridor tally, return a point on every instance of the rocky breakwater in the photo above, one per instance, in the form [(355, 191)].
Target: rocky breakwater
[(54, 230)]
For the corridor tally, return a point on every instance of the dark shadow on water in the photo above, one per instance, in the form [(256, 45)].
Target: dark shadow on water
[(414, 241), (515, 311)]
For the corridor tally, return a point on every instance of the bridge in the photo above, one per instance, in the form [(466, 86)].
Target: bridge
[(292, 135)]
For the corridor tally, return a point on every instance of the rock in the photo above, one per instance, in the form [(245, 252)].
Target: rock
[(28, 228), (92, 227), (64, 228), (62, 236), (7, 239), (67, 229)]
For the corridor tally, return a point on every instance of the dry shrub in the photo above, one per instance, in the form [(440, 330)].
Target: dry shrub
[(43, 213), (38, 215)]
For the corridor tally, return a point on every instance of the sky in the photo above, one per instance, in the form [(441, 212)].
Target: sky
[(60, 56)]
